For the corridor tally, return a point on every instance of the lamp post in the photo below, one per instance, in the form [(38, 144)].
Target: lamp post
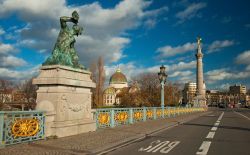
[(163, 78)]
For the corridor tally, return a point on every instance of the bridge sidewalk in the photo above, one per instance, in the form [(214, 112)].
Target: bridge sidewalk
[(98, 142)]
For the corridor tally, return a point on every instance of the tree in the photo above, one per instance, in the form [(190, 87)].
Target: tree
[(5, 88), (130, 99), (93, 69), (172, 94), (29, 89), (98, 76), (150, 92)]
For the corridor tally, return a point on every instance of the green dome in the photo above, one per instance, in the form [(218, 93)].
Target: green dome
[(109, 90), (118, 77)]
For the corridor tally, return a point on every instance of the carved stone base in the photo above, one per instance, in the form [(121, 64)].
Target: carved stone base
[(64, 93), (200, 101)]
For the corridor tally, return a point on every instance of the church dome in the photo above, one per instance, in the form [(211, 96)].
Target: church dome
[(118, 77), (109, 90)]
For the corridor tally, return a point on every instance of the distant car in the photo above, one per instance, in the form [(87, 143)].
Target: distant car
[(222, 105)]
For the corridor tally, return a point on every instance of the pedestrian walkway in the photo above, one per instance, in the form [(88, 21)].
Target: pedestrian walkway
[(97, 141)]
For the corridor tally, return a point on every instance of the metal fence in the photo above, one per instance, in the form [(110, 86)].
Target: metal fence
[(21, 126), (111, 117)]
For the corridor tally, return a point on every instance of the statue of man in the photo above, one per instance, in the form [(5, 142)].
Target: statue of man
[(64, 52)]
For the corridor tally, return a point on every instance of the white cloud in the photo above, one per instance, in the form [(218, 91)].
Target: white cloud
[(2, 31), (130, 69), (190, 12), (169, 51), (216, 75), (6, 48), (11, 61), (247, 26), (226, 20), (182, 66), (181, 74), (103, 27), (243, 58), (150, 23), (174, 71), (18, 75), (248, 68), (218, 45)]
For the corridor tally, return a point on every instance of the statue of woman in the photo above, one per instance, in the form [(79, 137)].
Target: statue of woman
[(64, 52)]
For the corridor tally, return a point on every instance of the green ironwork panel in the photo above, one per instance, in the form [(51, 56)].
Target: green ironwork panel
[(112, 117), (158, 112), (137, 114), (103, 118), (121, 116), (22, 126)]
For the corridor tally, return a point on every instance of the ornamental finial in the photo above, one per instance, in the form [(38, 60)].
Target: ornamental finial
[(199, 41)]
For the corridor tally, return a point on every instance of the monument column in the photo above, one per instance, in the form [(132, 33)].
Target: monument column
[(199, 73)]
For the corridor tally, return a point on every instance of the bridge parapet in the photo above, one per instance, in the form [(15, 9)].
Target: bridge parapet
[(111, 117), (21, 126)]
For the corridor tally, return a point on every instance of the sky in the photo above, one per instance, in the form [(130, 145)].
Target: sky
[(136, 35)]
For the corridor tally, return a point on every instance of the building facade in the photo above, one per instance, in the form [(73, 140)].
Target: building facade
[(189, 92), (117, 82), (238, 89)]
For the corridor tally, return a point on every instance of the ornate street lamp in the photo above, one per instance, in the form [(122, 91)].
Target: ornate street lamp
[(163, 78)]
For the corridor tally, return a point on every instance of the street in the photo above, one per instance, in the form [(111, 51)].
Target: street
[(224, 131)]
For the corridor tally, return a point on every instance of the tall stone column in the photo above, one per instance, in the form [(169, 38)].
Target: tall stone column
[(199, 74)]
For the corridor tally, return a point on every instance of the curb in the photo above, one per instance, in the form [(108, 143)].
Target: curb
[(134, 139)]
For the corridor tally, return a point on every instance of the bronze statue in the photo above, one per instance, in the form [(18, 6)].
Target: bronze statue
[(64, 52)]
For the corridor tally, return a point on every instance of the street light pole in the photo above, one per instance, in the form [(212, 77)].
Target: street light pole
[(163, 78), (162, 94)]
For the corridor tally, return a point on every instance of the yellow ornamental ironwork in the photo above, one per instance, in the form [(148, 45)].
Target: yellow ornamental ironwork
[(166, 112), (25, 127), (149, 113), (121, 116), (104, 118), (138, 115), (158, 113)]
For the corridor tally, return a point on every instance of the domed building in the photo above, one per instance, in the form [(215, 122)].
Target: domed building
[(117, 81)]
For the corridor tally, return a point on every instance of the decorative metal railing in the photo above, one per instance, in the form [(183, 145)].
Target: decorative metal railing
[(111, 117), (21, 126)]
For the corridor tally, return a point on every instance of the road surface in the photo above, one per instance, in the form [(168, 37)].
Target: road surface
[(222, 132)]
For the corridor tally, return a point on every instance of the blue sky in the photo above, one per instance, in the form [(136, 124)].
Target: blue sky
[(137, 35)]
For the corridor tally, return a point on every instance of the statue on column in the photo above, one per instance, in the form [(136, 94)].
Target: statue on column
[(64, 52)]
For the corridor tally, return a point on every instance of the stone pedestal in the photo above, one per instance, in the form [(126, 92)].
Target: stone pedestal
[(64, 93), (200, 101)]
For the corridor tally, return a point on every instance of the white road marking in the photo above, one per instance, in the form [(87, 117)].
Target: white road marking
[(169, 147), (204, 148), (162, 147), (158, 147), (242, 115), (220, 116), (216, 124), (206, 144), (210, 135), (214, 128)]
